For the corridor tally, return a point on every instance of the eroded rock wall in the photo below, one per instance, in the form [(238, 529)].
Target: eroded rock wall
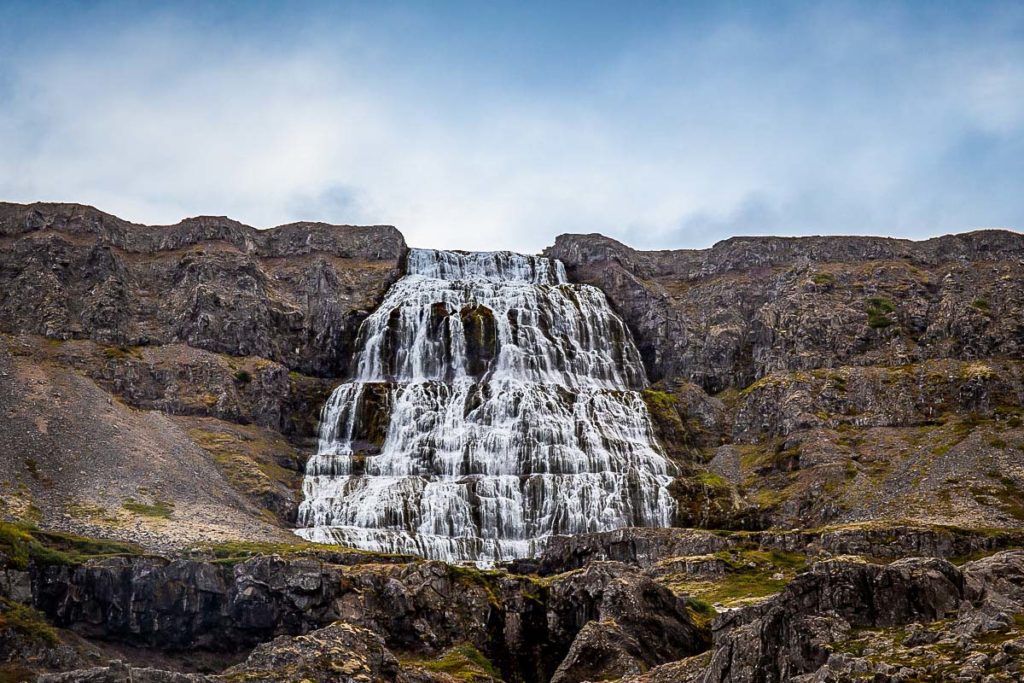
[(293, 294)]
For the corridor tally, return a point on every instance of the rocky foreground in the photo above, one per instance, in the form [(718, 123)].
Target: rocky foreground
[(845, 416), (673, 605)]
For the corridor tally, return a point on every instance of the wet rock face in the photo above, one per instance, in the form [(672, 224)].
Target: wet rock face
[(726, 316), (294, 294)]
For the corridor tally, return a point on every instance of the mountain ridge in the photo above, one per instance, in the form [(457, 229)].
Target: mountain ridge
[(843, 412)]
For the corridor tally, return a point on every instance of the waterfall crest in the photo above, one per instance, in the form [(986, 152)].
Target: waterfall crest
[(493, 404)]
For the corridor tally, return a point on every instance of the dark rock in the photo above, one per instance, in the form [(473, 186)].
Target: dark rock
[(340, 653)]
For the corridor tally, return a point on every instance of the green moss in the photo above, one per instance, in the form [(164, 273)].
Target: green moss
[(1005, 494), (878, 309), (763, 383), (462, 662), (701, 607), (22, 544), (750, 575), (26, 621), (160, 509), (243, 377), (882, 304), (981, 305), (823, 279), (711, 480), (233, 552), (245, 456), (471, 576), (122, 352)]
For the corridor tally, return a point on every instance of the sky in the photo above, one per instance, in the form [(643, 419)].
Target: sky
[(489, 125)]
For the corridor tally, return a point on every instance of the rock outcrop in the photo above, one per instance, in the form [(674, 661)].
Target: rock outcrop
[(846, 416), (422, 609), (293, 294), (107, 328), (846, 619), (823, 380), (749, 306)]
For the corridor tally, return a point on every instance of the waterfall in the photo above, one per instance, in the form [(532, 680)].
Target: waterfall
[(492, 404)]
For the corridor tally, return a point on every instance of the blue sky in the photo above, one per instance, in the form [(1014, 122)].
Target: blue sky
[(482, 125)]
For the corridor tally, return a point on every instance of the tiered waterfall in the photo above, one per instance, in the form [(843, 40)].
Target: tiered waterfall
[(492, 404)]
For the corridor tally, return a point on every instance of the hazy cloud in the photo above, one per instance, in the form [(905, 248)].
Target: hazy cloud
[(481, 127)]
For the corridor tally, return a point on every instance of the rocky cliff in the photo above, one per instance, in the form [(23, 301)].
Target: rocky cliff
[(752, 306), (845, 416), (294, 294), (163, 384), (830, 379)]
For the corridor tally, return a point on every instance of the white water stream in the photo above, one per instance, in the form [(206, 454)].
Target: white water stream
[(492, 404)]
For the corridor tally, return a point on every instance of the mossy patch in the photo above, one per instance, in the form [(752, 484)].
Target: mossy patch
[(471, 576), (250, 458), (159, 509), (122, 352), (26, 622), (462, 662), (22, 544), (750, 576), (233, 552), (878, 309), (823, 279), (1004, 493)]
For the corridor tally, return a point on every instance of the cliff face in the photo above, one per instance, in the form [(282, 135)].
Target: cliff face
[(845, 415), (750, 306), (830, 379), (163, 384), (293, 294)]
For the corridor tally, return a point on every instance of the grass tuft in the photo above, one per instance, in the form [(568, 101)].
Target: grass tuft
[(160, 509)]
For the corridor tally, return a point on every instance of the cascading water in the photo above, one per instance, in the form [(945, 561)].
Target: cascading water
[(493, 404)]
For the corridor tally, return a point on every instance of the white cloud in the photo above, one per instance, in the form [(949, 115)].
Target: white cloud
[(828, 124)]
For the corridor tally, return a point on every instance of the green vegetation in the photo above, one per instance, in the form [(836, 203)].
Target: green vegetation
[(982, 305), (22, 543), (247, 457), (823, 279), (471, 576), (1005, 494), (750, 575), (879, 309), (233, 552), (661, 399), (701, 611), (122, 352), (26, 621), (462, 662), (160, 509), (711, 480), (243, 377)]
